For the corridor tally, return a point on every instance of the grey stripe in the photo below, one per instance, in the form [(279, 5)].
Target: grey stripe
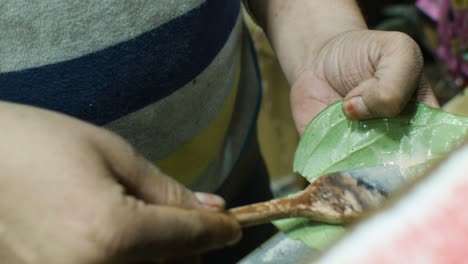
[(162, 127), (39, 32), (243, 116)]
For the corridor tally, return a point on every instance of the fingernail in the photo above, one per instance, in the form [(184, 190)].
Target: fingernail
[(355, 108), (210, 201)]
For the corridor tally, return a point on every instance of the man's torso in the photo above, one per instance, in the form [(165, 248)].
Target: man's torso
[(175, 78)]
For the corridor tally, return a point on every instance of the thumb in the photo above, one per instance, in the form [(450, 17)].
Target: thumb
[(398, 68), (163, 232)]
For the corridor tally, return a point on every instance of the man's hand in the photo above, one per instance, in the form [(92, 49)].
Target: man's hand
[(327, 53), (74, 193), (376, 73)]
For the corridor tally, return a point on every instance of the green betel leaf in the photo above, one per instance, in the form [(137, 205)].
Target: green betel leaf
[(315, 235), (333, 143)]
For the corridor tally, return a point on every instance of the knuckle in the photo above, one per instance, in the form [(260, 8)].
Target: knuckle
[(129, 161), (116, 139), (402, 38), (407, 44)]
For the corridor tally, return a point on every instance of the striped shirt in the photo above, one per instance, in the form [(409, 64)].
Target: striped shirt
[(176, 78)]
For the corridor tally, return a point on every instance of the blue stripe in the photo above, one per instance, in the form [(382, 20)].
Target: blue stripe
[(107, 84)]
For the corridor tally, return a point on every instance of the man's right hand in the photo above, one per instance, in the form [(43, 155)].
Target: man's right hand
[(74, 193)]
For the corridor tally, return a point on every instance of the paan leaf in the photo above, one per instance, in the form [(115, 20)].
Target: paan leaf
[(315, 235), (333, 143)]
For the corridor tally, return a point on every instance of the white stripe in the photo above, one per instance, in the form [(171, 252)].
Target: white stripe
[(39, 32)]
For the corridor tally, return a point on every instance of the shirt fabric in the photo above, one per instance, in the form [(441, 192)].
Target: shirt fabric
[(176, 78)]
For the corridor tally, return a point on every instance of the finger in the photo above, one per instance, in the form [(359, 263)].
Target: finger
[(143, 180), (166, 232), (397, 76), (425, 94)]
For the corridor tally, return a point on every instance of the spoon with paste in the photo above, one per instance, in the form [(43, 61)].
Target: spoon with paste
[(337, 198)]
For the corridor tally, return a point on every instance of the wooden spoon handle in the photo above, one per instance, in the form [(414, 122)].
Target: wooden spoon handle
[(261, 213), (335, 199)]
